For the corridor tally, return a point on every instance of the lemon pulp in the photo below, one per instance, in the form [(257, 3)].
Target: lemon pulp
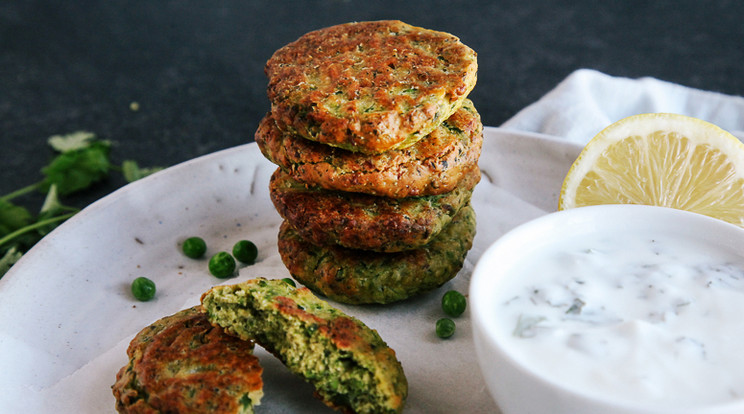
[(665, 160)]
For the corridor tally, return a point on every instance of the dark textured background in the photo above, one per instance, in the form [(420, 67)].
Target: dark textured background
[(196, 67)]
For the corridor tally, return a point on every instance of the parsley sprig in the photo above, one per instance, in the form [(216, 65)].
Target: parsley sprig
[(81, 161)]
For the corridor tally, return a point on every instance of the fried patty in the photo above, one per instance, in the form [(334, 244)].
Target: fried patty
[(361, 221), (434, 165), (360, 277), (369, 86), (183, 364), (350, 366)]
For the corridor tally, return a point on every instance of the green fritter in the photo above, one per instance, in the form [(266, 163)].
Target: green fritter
[(183, 364), (350, 366), (369, 86), (360, 277), (361, 221), (433, 165)]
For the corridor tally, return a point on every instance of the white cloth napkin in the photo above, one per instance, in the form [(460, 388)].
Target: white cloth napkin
[(587, 101)]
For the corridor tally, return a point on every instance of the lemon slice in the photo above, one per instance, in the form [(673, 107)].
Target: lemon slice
[(664, 160)]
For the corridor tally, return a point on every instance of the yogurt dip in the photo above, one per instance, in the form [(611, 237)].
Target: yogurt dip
[(640, 316)]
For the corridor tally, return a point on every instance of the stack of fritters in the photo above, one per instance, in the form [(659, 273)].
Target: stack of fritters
[(377, 147)]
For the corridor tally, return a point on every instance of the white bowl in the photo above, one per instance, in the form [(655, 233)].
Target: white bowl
[(524, 378)]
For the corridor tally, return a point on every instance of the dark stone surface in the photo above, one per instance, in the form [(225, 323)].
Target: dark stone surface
[(196, 67)]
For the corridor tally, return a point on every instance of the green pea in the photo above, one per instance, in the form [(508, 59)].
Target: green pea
[(143, 288), (222, 265), (245, 251), (289, 281), (194, 247), (445, 328), (453, 303)]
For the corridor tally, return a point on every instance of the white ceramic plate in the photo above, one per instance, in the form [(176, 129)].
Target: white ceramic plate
[(67, 316)]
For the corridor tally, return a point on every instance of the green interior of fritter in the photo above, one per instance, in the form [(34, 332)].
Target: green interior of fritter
[(337, 376)]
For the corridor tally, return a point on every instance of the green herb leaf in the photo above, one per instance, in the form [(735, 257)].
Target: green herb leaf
[(133, 172), (52, 207), (527, 326), (20, 192), (82, 161), (9, 259), (12, 217), (29, 235), (71, 142), (51, 203), (77, 169), (576, 307)]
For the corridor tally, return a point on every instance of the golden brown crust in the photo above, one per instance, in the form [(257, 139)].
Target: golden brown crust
[(369, 86), (434, 165), (361, 221), (361, 277), (181, 363)]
